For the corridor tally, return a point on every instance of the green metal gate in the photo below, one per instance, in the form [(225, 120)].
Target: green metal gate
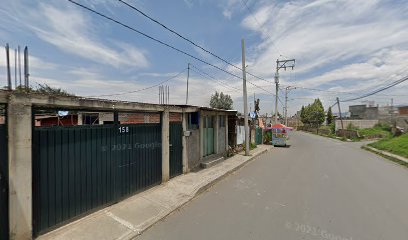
[(139, 158), (4, 215), (258, 137), (176, 149), (78, 169)]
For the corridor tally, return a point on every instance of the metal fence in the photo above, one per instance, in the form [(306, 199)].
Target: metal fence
[(258, 136), (176, 148), (77, 169)]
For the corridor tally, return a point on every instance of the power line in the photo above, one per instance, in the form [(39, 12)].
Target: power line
[(245, 3), (143, 89), (208, 76), (168, 45), (379, 90), (151, 38), (187, 39)]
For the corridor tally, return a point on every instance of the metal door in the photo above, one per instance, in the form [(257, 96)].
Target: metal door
[(4, 216), (209, 136), (176, 149), (77, 169), (139, 158)]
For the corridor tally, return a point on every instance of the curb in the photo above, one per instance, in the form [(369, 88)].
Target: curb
[(396, 159)]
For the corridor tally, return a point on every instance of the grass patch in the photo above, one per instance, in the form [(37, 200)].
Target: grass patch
[(375, 132), (397, 145), (405, 164), (325, 127)]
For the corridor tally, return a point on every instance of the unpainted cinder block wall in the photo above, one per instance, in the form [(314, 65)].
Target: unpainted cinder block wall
[(193, 149)]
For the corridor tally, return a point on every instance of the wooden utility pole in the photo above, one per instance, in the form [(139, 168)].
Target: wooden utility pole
[(341, 119), (245, 100)]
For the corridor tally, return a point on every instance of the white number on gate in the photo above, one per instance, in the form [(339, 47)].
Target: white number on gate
[(123, 129)]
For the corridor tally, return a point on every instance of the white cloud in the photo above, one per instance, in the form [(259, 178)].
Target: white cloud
[(348, 45), (75, 33), (325, 32), (227, 14)]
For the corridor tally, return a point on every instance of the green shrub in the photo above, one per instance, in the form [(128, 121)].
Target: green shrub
[(267, 137), (383, 126), (251, 146), (332, 127)]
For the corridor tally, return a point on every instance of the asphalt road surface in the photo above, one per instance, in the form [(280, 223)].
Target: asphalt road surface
[(319, 188)]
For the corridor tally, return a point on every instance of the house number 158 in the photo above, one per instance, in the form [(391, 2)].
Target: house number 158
[(123, 129)]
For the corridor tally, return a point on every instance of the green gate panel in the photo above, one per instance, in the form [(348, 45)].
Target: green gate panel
[(210, 141), (77, 169), (258, 137), (4, 216), (176, 149), (208, 138), (139, 160)]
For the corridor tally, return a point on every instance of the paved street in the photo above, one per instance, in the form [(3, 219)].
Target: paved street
[(319, 188)]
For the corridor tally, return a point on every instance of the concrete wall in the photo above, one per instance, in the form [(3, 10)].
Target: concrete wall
[(371, 113), (356, 123), (357, 111), (20, 143), (240, 134), (221, 140), (252, 132), (193, 149)]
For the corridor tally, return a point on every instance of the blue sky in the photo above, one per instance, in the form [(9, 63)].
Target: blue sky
[(350, 46)]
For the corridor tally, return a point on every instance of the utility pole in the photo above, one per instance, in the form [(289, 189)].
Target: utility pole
[(290, 63), (286, 106), (287, 89), (341, 119), (245, 100), (393, 122), (188, 76), (276, 92)]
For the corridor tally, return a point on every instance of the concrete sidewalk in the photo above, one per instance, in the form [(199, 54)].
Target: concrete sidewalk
[(132, 216)]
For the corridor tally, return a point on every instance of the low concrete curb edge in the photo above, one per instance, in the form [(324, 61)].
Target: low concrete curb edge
[(393, 157)]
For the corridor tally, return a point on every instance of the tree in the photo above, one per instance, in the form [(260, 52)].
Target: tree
[(313, 114), (319, 116), (330, 117), (257, 108), (47, 89), (303, 114), (44, 89), (221, 101)]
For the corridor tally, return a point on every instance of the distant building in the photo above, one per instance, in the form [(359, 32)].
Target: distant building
[(403, 110), (363, 112)]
